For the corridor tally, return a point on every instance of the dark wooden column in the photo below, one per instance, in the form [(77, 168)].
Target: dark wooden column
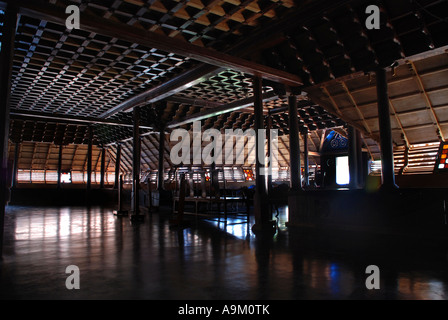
[(60, 166), (260, 180), (361, 174), (103, 166), (6, 60), (136, 166), (261, 205), (353, 157), (305, 158), (89, 159), (161, 171), (269, 138), (387, 155), (117, 166), (15, 164), (294, 144)]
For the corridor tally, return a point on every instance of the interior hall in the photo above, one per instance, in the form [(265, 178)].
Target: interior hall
[(224, 149)]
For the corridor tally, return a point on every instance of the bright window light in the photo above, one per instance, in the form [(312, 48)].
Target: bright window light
[(66, 178), (342, 171)]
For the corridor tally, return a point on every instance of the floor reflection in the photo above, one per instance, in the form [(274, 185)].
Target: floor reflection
[(207, 260)]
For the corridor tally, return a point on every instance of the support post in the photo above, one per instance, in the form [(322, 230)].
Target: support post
[(15, 165), (120, 209), (60, 166), (161, 172), (387, 155), (269, 138), (6, 60), (117, 166), (261, 209), (89, 159), (294, 144), (353, 157), (103, 167), (136, 168), (305, 158), (259, 125), (361, 165), (297, 203)]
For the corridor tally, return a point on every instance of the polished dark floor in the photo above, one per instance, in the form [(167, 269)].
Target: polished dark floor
[(208, 260)]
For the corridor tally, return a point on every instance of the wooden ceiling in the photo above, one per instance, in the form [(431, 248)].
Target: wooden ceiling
[(93, 75)]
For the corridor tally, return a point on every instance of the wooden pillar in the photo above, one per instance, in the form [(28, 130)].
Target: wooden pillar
[(306, 165), (294, 144), (117, 166), (268, 135), (260, 180), (261, 205), (161, 173), (362, 168), (6, 60), (297, 209), (103, 167), (89, 159), (60, 166), (136, 166), (353, 157), (387, 155), (15, 164)]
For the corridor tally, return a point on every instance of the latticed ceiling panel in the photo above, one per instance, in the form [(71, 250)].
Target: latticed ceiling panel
[(50, 132), (225, 87), (337, 43), (206, 23), (111, 134), (78, 73)]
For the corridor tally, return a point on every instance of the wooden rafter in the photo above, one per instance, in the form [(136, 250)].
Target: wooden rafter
[(355, 105), (150, 164), (333, 102), (405, 137), (97, 161), (429, 105), (280, 150), (48, 156), (167, 151), (126, 160)]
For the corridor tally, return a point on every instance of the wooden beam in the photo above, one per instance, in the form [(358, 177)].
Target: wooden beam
[(179, 83), (322, 139), (62, 118), (195, 102), (230, 107)]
